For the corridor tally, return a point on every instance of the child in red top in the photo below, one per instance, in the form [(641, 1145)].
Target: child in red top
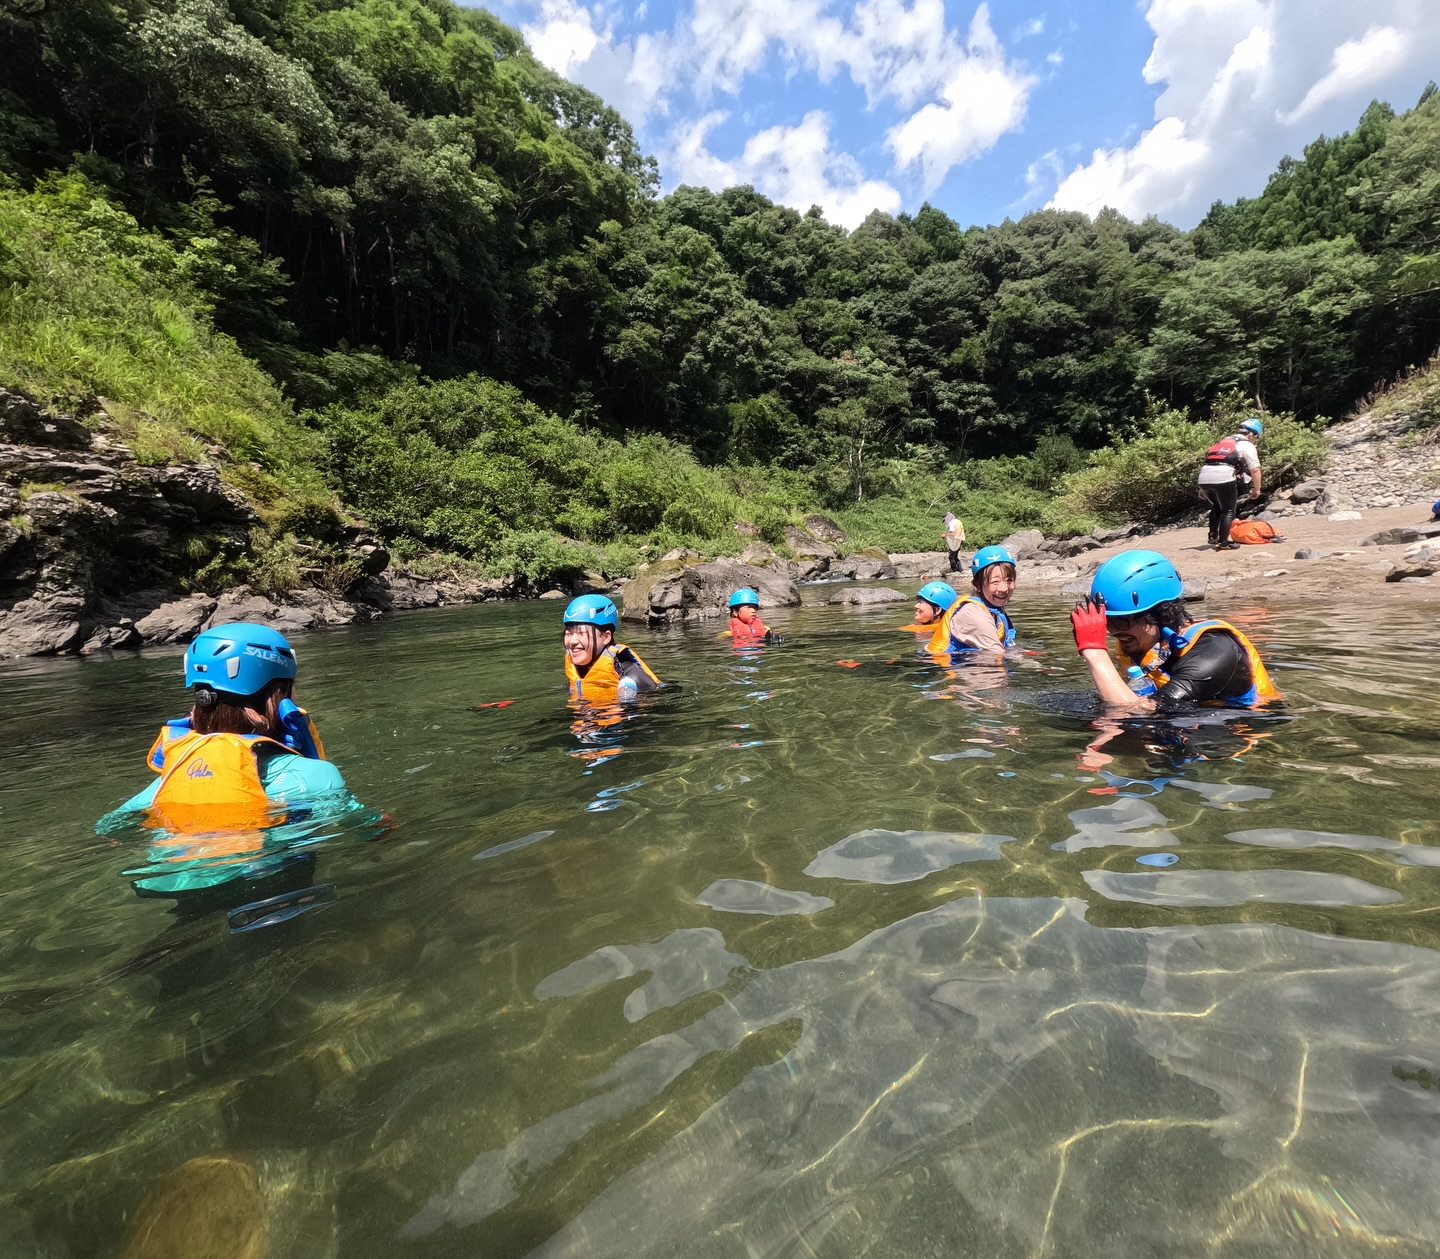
[(745, 623)]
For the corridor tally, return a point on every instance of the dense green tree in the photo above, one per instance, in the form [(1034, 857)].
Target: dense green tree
[(1277, 324), (379, 198)]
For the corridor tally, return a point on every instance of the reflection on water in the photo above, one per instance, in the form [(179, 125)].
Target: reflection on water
[(792, 961)]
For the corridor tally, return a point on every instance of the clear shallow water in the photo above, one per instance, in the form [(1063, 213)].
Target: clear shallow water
[(800, 960)]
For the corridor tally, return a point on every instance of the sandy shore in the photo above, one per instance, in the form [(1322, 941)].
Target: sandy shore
[(1271, 571)]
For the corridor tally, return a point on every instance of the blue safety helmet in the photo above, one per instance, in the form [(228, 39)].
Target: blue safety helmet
[(940, 593), (745, 598), (988, 555), (592, 610), (1252, 425), (1135, 581), (238, 659)]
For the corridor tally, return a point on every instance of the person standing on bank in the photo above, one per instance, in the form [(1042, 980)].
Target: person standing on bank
[(1219, 481), (954, 540)]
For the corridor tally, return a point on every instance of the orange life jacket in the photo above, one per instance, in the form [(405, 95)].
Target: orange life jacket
[(211, 782), (601, 683), (173, 731), (753, 629), (935, 637), (1261, 691)]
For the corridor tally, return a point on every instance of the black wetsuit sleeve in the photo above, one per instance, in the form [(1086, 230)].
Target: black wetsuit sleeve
[(1216, 668), (630, 670)]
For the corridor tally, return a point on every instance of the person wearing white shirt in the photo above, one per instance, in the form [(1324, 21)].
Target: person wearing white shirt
[(1219, 481)]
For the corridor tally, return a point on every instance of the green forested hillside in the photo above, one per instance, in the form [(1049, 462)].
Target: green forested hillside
[(472, 318)]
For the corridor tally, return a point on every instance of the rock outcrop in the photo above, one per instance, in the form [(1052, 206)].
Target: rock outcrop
[(922, 565), (90, 537), (670, 592)]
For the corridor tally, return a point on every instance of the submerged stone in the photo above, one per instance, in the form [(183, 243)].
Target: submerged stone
[(207, 1208)]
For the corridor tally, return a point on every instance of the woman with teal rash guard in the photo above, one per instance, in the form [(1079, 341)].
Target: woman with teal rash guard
[(978, 621), (230, 778)]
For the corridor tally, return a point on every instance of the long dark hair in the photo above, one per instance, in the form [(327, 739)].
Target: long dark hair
[(1171, 614), (219, 712)]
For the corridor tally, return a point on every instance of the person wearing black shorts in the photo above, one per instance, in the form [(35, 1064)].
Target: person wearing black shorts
[(1219, 480)]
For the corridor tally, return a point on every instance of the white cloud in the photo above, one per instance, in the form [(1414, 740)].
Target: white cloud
[(630, 76), (1245, 82), (1356, 65), (984, 97), (958, 95), (792, 165)]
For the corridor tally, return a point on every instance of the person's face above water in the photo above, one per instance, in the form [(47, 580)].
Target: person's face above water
[(584, 642), (747, 612), (997, 584), (1135, 634), (926, 613)]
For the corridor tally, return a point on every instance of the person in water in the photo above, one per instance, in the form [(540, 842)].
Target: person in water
[(746, 627), (933, 603), (231, 766), (295, 728), (979, 622), (1138, 597), (598, 669)]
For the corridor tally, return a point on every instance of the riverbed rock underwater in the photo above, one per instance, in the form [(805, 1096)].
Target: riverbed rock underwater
[(806, 956)]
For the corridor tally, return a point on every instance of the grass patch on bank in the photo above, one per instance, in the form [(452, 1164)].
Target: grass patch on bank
[(92, 306), (1416, 396)]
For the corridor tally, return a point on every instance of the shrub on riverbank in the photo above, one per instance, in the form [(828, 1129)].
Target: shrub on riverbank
[(1150, 477)]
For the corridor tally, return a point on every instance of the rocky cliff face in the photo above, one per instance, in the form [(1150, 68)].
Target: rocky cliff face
[(81, 523), (92, 547)]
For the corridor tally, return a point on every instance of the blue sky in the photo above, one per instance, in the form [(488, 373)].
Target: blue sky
[(986, 110)]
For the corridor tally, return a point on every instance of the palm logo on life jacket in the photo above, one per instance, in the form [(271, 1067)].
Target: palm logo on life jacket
[(211, 782), (1262, 689)]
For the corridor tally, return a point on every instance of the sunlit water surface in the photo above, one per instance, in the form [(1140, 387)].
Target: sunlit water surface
[(802, 959)]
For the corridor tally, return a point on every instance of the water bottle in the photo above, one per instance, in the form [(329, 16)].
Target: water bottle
[(1139, 683)]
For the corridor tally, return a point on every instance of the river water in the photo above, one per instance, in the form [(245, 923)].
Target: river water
[(825, 952)]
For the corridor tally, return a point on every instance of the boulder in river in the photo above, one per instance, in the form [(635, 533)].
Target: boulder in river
[(48, 623), (918, 565), (177, 621), (807, 546), (397, 592), (670, 592), (207, 1208), (871, 564), (760, 555), (1024, 542)]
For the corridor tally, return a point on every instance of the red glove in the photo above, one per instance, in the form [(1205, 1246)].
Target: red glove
[(1088, 622)]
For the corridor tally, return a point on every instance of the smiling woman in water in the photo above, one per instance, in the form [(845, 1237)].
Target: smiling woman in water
[(598, 669)]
